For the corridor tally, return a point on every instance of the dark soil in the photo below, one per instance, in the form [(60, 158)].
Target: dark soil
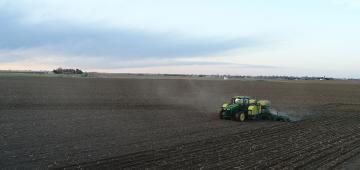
[(96, 123)]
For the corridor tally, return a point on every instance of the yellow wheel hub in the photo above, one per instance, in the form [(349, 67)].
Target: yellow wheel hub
[(242, 117)]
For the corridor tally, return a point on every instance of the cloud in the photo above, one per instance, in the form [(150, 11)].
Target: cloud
[(55, 43), (37, 59), (177, 62), (92, 41)]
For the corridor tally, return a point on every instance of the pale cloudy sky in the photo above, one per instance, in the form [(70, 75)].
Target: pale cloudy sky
[(257, 37)]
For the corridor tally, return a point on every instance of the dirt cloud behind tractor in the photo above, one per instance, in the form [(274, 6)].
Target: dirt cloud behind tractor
[(294, 117), (206, 96)]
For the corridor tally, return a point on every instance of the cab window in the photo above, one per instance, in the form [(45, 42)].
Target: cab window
[(246, 101)]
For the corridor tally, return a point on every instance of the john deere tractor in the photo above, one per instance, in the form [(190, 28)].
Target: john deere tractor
[(242, 108)]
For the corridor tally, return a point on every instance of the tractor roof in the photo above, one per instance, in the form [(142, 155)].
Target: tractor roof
[(242, 97)]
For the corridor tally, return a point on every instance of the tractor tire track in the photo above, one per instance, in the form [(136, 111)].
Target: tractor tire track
[(205, 149)]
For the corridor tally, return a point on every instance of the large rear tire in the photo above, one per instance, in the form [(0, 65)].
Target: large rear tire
[(237, 116)]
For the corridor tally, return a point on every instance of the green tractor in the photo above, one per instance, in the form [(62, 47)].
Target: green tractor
[(242, 108)]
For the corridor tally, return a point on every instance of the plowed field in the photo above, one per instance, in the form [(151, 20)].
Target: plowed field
[(129, 123)]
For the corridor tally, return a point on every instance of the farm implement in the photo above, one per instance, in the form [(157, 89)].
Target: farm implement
[(242, 108)]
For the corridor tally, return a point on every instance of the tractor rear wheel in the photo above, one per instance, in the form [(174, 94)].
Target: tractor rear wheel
[(242, 117), (237, 116)]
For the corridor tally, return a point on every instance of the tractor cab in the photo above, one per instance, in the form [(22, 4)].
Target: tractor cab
[(240, 100)]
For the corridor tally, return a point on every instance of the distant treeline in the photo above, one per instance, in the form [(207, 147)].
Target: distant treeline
[(67, 71)]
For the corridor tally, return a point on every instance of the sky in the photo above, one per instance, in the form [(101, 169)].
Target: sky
[(237, 37)]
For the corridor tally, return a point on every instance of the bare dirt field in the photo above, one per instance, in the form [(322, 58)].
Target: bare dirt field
[(108, 123)]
